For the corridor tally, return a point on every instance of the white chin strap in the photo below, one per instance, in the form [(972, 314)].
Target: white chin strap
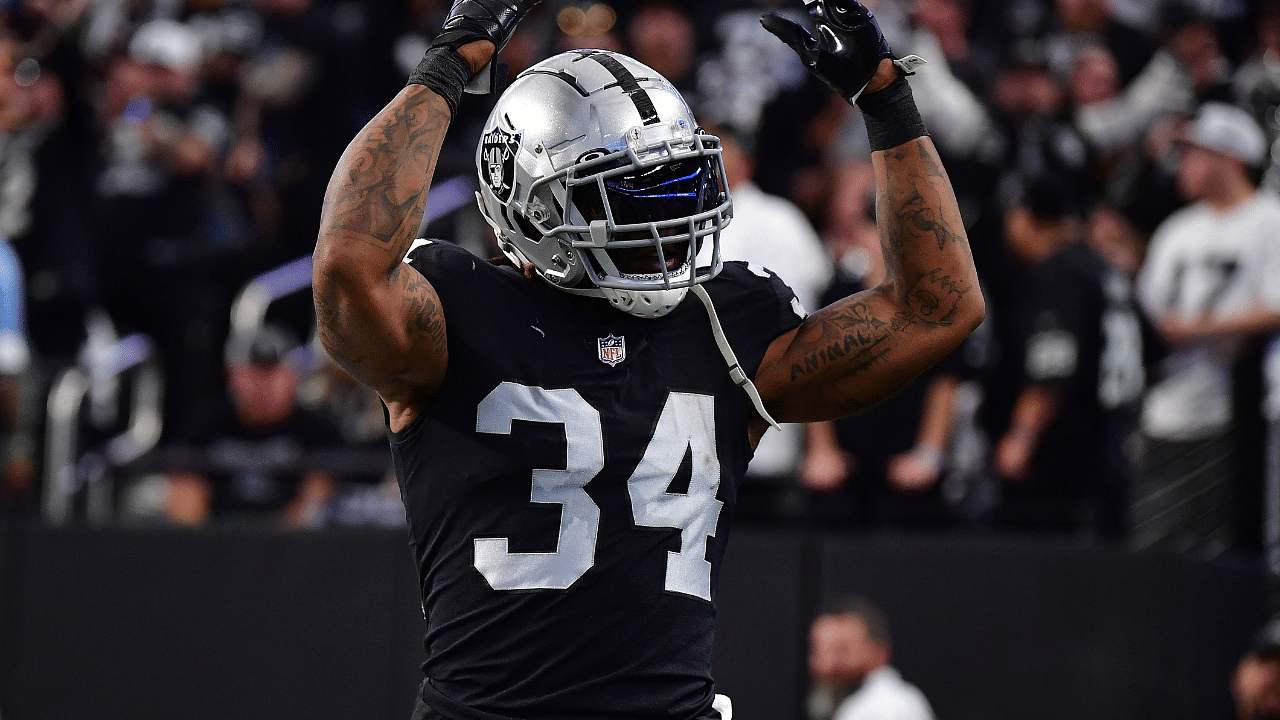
[(736, 372)]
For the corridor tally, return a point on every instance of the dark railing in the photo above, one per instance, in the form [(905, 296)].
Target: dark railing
[(100, 373)]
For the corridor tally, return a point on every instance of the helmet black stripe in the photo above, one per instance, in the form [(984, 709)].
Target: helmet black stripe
[(629, 85), (569, 79)]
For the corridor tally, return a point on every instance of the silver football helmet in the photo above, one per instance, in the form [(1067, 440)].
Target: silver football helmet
[(593, 170)]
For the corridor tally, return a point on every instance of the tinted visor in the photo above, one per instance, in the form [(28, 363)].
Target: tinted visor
[(663, 192)]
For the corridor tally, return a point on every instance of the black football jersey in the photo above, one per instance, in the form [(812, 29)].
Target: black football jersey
[(570, 489), (1082, 335), (254, 470)]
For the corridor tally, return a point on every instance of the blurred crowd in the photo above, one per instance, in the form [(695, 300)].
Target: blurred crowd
[(1112, 159)]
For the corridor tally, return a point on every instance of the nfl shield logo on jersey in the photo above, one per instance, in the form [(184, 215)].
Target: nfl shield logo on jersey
[(498, 153), (613, 350)]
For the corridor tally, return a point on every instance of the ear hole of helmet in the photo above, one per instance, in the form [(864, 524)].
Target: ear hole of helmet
[(527, 228)]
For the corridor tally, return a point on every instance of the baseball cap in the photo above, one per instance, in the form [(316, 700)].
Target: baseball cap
[(167, 43), (264, 346), (1227, 129)]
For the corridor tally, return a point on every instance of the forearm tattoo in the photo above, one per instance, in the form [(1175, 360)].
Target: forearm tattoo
[(914, 211), (920, 242)]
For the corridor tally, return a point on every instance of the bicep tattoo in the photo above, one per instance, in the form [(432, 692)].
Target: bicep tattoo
[(924, 248), (385, 175), (425, 316), (848, 334)]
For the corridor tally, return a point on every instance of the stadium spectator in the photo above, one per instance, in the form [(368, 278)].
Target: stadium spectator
[(1255, 686), (1256, 83), (17, 453), (748, 71), (849, 665), (153, 230), (1081, 24), (1113, 235), (1187, 69), (250, 446), (950, 22), (745, 83), (958, 121), (661, 35), (310, 54), (44, 166), (1082, 373), (1211, 285)]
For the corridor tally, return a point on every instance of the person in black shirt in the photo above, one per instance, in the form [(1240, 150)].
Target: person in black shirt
[(1082, 373), (570, 425), (251, 445)]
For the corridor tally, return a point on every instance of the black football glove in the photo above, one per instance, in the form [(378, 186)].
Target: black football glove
[(492, 20), (848, 48)]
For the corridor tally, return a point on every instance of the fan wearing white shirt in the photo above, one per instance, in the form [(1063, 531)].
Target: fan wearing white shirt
[(849, 653), (1210, 284)]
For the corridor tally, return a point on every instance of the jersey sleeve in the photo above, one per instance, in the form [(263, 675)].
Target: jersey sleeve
[(441, 263), (755, 307)]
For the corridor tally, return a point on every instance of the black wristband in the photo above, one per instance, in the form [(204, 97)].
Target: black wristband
[(442, 69), (891, 115)]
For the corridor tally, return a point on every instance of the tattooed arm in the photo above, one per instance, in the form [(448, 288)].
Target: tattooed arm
[(862, 349), (378, 317)]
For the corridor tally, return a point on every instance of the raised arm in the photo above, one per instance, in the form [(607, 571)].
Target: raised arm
[(862, 349), (378, 317)]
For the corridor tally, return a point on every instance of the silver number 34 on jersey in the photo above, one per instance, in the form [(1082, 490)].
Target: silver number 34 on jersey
[(686, 425)]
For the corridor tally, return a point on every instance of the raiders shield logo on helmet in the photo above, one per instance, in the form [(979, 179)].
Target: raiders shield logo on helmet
[(498, 152)]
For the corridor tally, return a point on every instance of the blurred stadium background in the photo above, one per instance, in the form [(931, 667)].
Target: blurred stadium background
[(162, 164)]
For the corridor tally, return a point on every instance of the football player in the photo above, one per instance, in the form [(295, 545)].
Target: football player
[(570, 429)]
